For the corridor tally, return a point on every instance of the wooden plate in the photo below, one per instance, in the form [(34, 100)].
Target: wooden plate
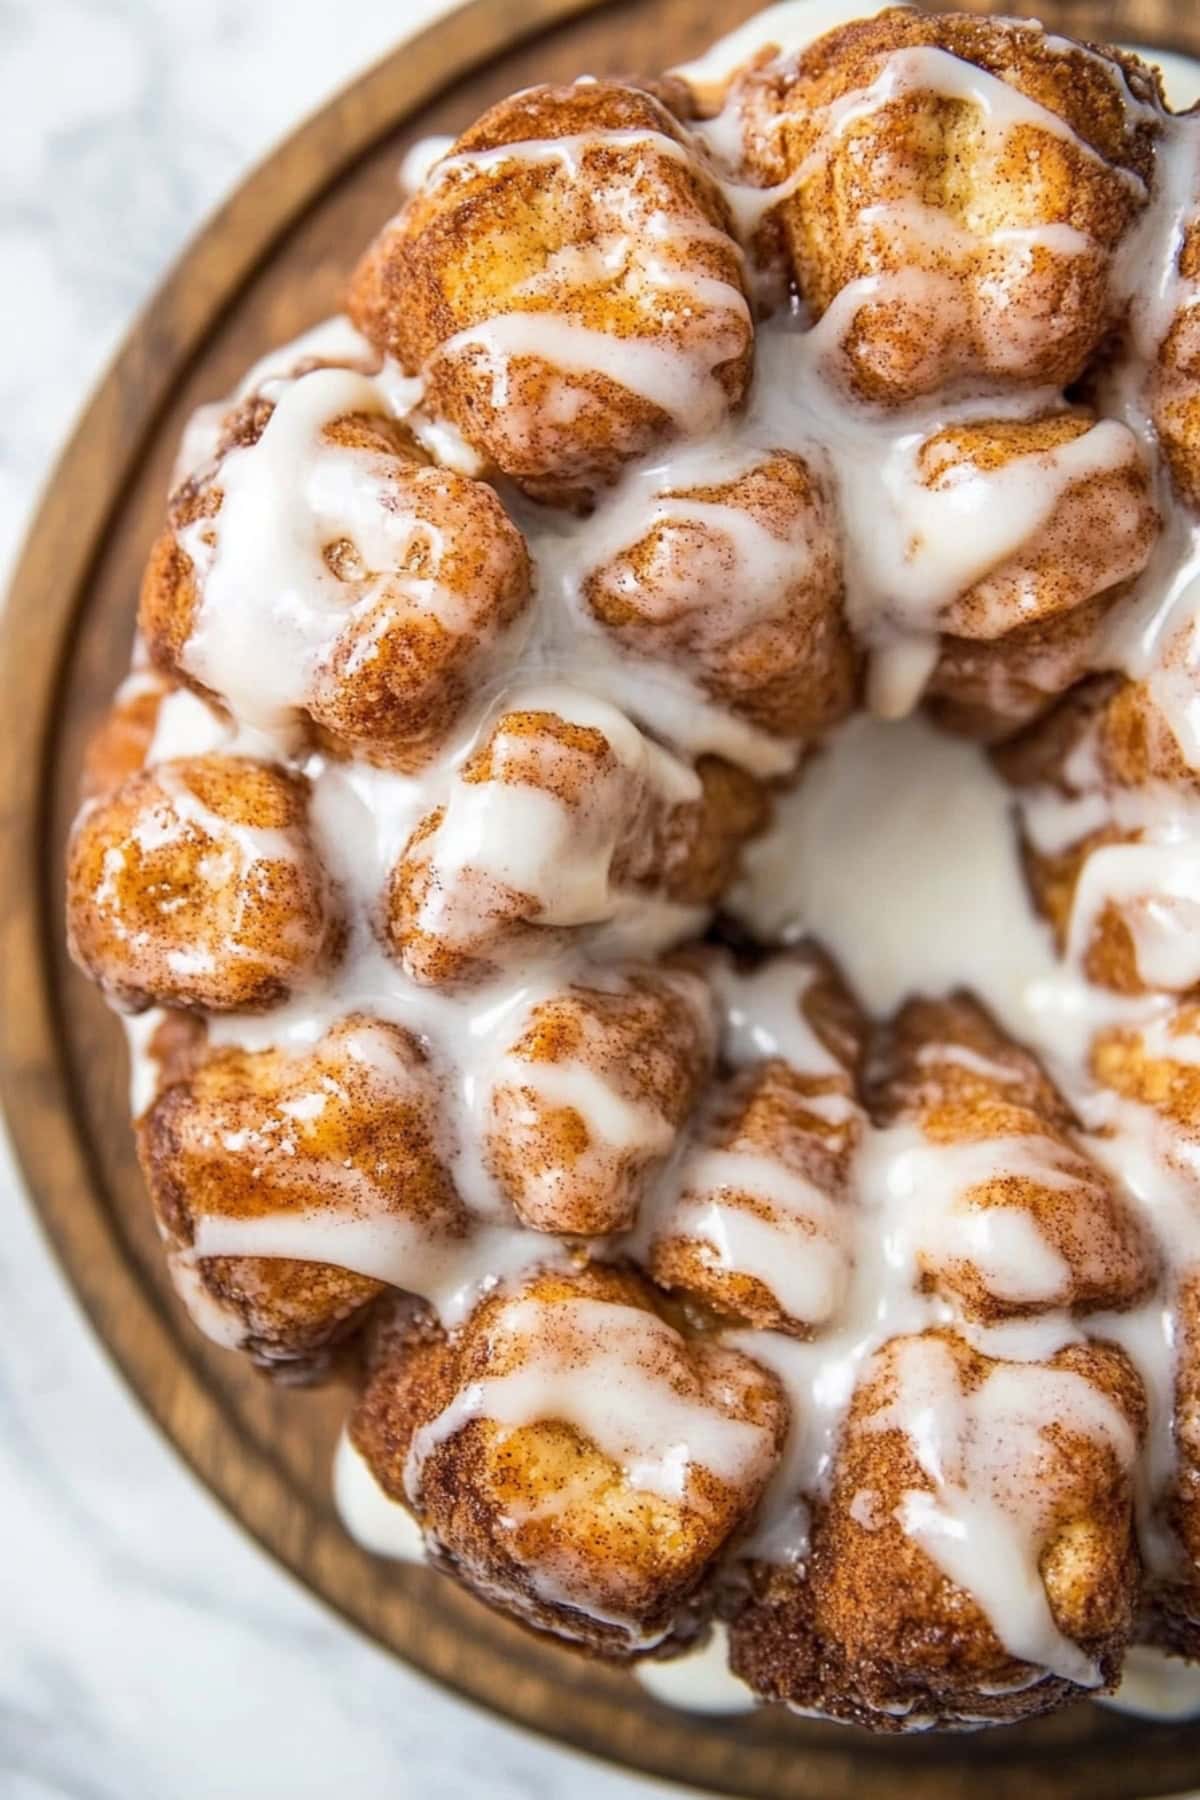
[(268, 265)]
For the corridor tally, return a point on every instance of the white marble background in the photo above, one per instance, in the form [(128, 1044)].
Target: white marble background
[(147, 1650)]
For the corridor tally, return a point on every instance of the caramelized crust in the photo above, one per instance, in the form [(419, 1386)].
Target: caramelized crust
[(1016, 1219), (526, 1445), (270, 1149), (753, 1225), (1036, 1459), (739, 583), (549, 823), (560, 304), (588, 1102), (197, 884), (957, 238)]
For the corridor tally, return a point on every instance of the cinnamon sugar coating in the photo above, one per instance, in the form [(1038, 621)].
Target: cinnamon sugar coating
[(410, 594), (196, 883), (772, 645), (615, 247), (1175, 381), (1154, 1065), (1031, 627), (589, 1101), (1108, 756), (870, 1629), (756, 1211), (948, 1072), (476, 887), (963, 225), (249, 1147), (515, 1496)]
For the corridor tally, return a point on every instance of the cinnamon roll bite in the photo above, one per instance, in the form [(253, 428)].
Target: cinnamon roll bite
[(572, 1455), (754, 1221), (1016, 1218), (197, 883), (293, 1187), (973, 1560), (567, 286), (735, 576), (560, 820), (954, 192), (587, 1103), (319, 575)]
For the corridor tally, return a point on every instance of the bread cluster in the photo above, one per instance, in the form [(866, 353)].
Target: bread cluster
[(669, 426)]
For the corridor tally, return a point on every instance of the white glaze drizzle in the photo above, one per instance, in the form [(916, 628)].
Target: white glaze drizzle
[(701, 1680), (606, 1370), (984, 1455), (372, 1518), (1156, 1686), (784, 29)]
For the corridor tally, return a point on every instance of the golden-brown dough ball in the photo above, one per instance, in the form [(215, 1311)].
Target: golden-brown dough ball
[(1103, 788), (265, 1167), (1155, 1066), (571, 1456), (1079, 491), (1016, 1219), (588, 1102), (398, 587), (755, 1224), (956, 190), (197, 883), (987, 689), (551, 824), (565, 283), (395, 680), (737, 581), (172, 584), (1019, 1473)]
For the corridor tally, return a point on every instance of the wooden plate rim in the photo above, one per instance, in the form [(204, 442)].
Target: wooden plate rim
[(46, 592)]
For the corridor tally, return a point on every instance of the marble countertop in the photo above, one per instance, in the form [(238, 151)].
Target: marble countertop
[(147, 1650)]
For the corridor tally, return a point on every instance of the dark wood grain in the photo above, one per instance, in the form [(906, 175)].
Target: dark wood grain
[(268, 265)]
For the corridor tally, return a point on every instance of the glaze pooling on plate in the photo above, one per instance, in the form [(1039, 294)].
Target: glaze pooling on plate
[(644, 493)]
